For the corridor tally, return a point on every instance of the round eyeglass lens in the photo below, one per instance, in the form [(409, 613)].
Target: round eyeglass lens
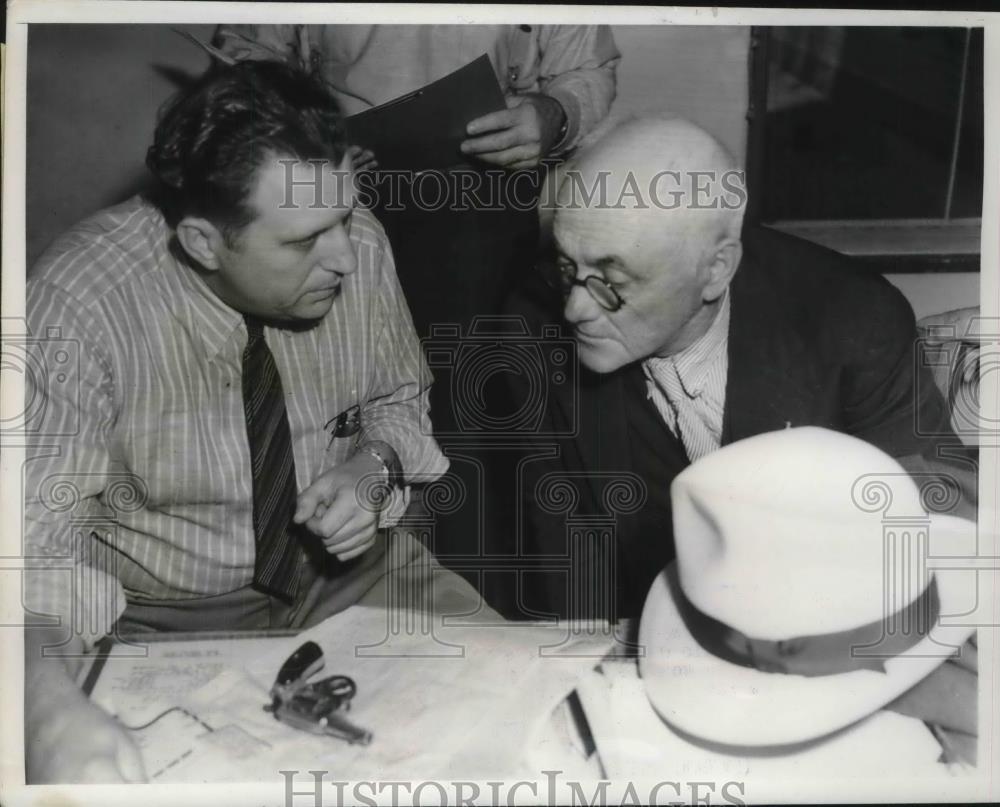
[(603, 293)]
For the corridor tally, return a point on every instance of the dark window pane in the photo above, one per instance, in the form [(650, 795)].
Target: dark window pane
[(860, 122), (967, 200)]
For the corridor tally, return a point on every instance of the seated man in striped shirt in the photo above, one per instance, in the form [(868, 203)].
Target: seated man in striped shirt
[(235, 391)]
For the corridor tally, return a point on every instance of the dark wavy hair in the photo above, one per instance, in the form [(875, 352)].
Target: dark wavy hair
[(213, 136)]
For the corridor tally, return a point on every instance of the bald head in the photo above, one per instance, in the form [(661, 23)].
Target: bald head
[(660, 143), (664, 170)]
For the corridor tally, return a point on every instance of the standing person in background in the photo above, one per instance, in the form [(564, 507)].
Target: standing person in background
[(559, 79), (456, 264)]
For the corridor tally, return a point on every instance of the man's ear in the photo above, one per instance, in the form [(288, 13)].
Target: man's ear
[(201, 240), (720, 266)]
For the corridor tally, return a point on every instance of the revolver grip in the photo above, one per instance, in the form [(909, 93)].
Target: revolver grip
[(301, 664)]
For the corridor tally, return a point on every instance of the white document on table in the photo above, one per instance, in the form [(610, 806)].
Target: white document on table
[(165, 699), (462, 701)]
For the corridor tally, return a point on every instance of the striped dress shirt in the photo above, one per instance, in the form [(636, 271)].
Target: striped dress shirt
[(689, 388), (140, 434)]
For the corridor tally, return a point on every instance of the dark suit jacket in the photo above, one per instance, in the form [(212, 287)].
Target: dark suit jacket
[(813, 340)]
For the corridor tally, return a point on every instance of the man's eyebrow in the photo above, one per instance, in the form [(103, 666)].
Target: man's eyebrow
[(609, 262), (294, 239)]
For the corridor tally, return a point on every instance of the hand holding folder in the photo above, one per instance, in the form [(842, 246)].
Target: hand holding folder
[(424, 129)]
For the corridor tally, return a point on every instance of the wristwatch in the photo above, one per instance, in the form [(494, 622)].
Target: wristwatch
[(561, 134), (393, 475), (565, 126)]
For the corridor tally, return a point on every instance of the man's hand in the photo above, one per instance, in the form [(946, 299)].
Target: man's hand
[(339, 508), (948, 699), (68, 739), (80, 743), (519, 136), (362, 159)]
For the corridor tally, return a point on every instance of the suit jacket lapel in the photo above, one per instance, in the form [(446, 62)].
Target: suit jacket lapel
[(772, 372)]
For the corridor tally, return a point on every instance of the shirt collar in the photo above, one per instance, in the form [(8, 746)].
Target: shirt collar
[(211, 318), (695, 361)]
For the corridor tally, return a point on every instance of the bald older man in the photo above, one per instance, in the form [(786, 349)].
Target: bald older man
[(693, 333)]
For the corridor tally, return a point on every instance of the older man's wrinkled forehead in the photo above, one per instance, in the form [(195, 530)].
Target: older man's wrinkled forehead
[(667, 176)]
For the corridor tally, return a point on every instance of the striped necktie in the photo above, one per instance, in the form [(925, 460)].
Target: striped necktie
[(686, 422), (277, 564)]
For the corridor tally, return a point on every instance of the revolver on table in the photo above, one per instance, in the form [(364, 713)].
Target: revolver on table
[(317, 707)]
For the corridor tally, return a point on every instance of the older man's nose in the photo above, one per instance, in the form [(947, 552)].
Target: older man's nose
[(580, 306)]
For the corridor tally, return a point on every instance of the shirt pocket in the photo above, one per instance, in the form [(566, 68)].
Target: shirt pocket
[(190, 458)]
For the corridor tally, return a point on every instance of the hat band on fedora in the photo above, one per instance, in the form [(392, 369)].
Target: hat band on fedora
[(820, 654)]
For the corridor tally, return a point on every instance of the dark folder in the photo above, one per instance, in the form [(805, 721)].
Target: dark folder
[(422, 130)]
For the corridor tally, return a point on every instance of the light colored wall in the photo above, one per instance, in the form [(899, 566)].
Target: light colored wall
[(93, 93), (932, 293), (696, 72)]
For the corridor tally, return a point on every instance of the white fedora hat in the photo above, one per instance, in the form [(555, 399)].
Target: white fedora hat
[(801, 599)]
